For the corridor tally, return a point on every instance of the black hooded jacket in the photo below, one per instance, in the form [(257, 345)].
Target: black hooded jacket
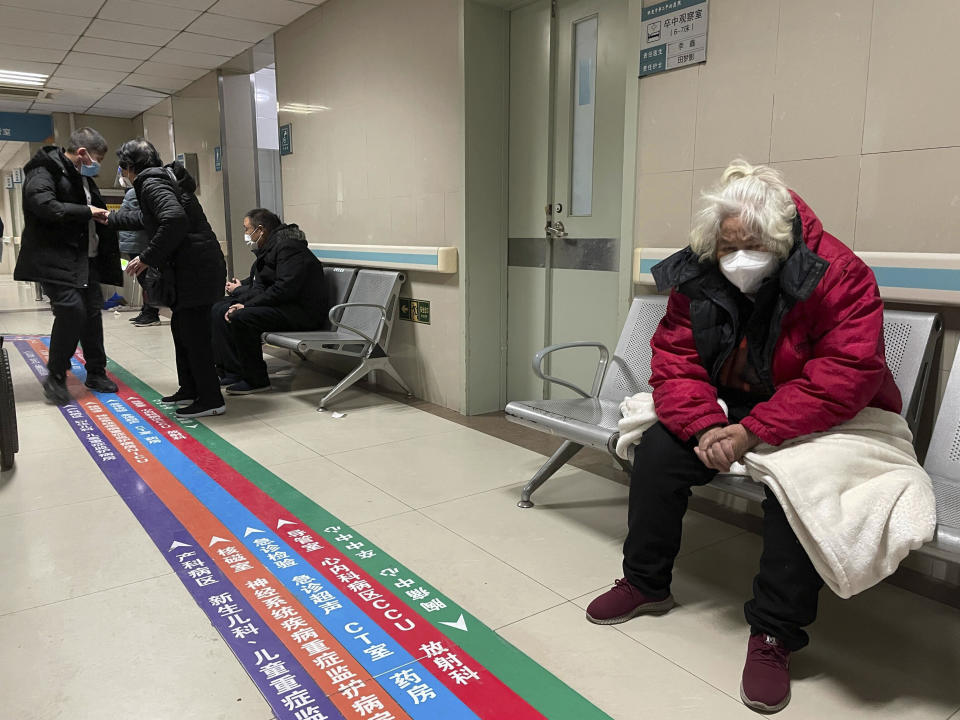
[(286, 272), (56, 217), (181, 239)]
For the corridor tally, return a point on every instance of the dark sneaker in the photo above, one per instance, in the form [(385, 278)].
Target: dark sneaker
[(229, 380), (765, 686), (55, 389), (146, 321), (100, 382), (137, 317), (178, 397), (622, 602), (197, 410), (245, 388)]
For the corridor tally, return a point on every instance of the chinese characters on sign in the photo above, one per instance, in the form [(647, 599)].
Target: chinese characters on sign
[(674, 34)]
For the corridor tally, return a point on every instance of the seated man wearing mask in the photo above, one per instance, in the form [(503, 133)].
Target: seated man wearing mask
[(781, 320), (284, 292)]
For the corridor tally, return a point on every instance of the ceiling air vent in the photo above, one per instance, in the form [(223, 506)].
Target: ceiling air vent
[(26, 93)]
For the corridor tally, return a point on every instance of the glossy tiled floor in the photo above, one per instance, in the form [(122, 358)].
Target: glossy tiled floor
[(93, 624)]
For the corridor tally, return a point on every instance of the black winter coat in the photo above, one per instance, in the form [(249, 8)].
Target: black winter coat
[(56, 225), (286, 272), (181, 239)]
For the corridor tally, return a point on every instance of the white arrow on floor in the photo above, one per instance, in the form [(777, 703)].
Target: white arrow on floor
[(251, 530), (281, 523), (460, 624), (176, 544), (214, 540)]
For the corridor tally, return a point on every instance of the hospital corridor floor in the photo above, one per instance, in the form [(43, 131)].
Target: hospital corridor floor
[(370, 562)]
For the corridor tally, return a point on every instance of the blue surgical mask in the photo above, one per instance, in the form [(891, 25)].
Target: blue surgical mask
[(90, 170)]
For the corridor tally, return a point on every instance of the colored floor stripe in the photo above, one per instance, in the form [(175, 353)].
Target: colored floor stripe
[(359, 597), (261, 654), (457, 669), (255, 584)]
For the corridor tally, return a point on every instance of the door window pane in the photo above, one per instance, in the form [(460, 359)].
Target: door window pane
[(584, 107)]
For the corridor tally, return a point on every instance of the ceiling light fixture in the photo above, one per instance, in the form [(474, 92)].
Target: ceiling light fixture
[(23, 78), (301, 108)]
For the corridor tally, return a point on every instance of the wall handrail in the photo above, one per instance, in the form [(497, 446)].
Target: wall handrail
[(424, 258), (929, 278)]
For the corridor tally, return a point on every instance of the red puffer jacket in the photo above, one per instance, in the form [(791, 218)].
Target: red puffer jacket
[(828, 361)]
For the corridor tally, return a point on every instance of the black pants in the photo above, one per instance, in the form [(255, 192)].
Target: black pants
[(237, 343), (786, 587), (194, 347), (77, 318)]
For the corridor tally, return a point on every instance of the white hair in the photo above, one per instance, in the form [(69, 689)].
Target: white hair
[(757, 195)]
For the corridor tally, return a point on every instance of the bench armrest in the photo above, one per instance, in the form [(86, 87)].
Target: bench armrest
[(343, 306), (601, 366)]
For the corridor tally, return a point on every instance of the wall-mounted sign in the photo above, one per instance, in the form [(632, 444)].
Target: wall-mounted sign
[(182, 159), (286, 139), (8, 182), (218, 158), (673, 35), (417, 311), (24, 127), (18, 175)]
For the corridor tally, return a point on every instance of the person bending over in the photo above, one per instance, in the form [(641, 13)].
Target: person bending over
[(185, 250), (283, 292), (778, 318)]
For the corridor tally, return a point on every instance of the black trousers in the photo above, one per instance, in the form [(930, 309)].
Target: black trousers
[(77, 319), (194, 348), (786, 588), (237, 344)]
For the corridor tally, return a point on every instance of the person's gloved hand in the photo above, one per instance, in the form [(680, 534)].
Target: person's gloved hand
[(720, 447)]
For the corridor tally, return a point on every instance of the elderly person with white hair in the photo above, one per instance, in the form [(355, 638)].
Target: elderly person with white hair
[(781, 321)]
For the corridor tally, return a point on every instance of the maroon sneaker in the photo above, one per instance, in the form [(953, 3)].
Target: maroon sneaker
[(622, 602), (765, 686)]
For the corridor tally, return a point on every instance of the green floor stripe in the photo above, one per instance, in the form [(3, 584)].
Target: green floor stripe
[(533, 683)]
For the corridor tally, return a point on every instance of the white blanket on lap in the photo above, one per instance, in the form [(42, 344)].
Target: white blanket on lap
[(855, 496)]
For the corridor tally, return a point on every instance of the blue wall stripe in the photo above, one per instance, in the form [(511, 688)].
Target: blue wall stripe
[(921, 278), (373, 256), (900, 277)]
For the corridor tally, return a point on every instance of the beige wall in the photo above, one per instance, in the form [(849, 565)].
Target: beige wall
[(196, 129), (382, 163), (824, 90), (156, 125)]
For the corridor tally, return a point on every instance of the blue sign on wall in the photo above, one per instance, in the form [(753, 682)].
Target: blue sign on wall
[(286, 139), (23, 127), (218, 158)]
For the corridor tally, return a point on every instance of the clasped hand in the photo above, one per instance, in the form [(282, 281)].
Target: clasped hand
[(720, 447), (101, 215), (231, 310)]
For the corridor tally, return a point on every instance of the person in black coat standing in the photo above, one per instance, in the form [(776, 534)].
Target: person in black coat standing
[(69, 255), (184, 249), (284, 292)]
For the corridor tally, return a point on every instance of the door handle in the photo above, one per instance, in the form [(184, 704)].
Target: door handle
[(555, 229)]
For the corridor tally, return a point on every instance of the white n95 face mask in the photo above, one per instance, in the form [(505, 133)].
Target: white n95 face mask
[(249, 240), (747, 269)]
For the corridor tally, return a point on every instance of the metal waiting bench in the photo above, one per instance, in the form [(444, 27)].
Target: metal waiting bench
[(591, 420), (363, 309)]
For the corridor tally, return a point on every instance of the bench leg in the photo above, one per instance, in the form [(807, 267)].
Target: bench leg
[(556, 461), (356, 374), (390, 370)]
